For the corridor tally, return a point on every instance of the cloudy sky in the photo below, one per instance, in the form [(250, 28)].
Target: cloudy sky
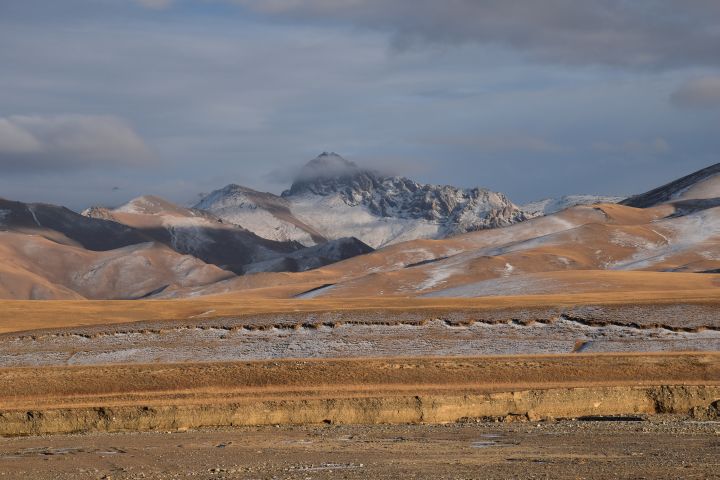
[(102, 100)]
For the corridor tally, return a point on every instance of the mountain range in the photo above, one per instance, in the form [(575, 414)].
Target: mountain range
[(343, 230), (333, 198)]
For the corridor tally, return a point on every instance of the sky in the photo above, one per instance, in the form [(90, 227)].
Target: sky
[(105, 100)]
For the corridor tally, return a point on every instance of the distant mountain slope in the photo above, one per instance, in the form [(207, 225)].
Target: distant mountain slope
[(195, 233), (203, 235), (19, 283), (549, 206), (672, 246), (333, 198), (36, 267), (313, 257), (703, 184), (55, 222), (137, 250)]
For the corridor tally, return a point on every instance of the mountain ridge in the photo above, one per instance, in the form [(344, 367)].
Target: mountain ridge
[(152, 248)]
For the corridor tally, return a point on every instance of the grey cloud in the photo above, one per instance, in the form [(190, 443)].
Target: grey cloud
[(702, 92), (282, 176), (658, 146), (502, 143), (57, 142), (639, 34), (224, 96), (154, 4)]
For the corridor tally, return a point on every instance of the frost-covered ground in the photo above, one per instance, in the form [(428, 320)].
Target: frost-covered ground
[(188, 344)]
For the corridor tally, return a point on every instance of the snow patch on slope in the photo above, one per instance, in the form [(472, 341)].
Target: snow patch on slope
[(682, 234), (549, 206), (334, 218), (258, 212)]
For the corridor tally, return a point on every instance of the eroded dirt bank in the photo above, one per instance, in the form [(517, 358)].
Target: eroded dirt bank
[(353, 391), (367, 409)]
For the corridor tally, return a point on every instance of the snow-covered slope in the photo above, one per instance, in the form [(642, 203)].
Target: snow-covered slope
[(265, 214), (227, 245), (703, 184), (549, 206), (333, 198), (195, 232)]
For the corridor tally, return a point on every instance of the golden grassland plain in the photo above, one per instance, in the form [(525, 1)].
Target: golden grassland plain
[(21, 315), (292, 391)]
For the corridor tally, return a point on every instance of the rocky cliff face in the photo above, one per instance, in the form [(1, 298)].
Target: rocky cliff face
[(458, 210)]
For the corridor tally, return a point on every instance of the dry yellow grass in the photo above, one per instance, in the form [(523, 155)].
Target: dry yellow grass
[(21, 315)]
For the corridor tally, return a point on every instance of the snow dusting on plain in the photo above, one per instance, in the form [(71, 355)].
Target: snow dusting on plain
[(185, 344)]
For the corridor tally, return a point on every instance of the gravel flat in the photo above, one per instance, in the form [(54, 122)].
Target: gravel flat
[(660, 447)]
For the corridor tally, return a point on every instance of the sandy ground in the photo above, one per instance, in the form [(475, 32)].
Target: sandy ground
[(658, 448)]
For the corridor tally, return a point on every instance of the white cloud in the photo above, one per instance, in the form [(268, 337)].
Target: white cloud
[(702, 92), (55, 142)]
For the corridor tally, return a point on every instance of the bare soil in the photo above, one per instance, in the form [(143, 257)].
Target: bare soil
[(630, 447)]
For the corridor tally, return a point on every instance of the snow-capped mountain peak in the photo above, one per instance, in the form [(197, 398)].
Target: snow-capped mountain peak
[(333, 198)]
